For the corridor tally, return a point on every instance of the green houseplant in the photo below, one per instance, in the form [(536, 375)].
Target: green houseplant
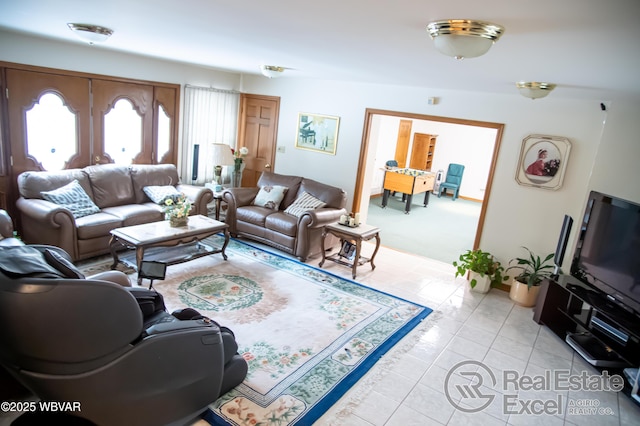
[(484, 271), (533, 269)]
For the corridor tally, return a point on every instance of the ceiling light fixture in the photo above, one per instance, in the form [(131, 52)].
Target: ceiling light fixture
[(271, 71), (91, 33), (534, 89), (464, 38)]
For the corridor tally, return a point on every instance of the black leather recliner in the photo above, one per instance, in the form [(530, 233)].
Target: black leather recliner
[(114, 350)]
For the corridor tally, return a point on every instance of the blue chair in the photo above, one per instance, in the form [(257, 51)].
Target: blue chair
[(453, 180)]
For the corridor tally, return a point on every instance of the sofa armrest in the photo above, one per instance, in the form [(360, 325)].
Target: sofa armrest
[(44, 222), (318, 218), (6, 225), (236, 197), (177, 325), (200, 196)]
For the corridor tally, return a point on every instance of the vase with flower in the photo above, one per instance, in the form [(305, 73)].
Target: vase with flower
[(238, 166), (176, 210)]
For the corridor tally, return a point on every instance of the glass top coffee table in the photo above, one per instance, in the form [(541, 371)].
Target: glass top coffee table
[(161, 235)]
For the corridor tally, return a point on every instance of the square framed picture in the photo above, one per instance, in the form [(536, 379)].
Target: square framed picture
[(317, 132), (543, 161)]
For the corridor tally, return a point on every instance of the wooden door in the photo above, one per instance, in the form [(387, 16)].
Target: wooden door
[(402, 144), (135, 144), (25, 90), (257, 131)]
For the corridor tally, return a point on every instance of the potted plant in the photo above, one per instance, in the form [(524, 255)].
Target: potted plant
[(526, 285), (484, 271)]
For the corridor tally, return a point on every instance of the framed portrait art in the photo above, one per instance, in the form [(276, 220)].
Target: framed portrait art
[(543, 161), (317, 132)]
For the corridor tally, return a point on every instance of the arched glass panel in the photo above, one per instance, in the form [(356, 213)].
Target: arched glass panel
[(164, 132), (51, 132), (122, 132)]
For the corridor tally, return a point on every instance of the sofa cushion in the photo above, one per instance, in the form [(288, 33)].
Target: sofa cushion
[(152, 175), (111, 185), (97, 225), (136, 214), (32, 183), (255, 215), (291, 182), (282, 223), (270, 196), (160, 193), (304, 203), (72, 197)]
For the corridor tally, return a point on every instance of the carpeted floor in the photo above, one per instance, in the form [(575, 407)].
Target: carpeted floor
[(441, 231), (308, 335)]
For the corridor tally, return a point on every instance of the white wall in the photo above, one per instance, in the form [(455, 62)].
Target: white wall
[(516, 215)]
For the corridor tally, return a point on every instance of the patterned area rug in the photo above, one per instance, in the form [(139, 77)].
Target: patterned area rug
[(308, 335)]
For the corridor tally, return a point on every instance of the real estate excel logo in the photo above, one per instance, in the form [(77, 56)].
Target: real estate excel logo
[(471, 386), (468, 396)]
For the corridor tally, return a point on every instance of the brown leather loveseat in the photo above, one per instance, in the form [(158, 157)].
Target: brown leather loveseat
[(117, 191), (293, 224)]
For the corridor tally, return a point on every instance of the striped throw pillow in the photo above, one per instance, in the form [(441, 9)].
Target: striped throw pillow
[(304, 203)]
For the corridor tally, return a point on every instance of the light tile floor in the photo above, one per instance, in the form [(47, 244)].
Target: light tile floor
[(407, 386)]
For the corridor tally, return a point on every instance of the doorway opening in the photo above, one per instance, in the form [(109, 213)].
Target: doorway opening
[(368, 152)]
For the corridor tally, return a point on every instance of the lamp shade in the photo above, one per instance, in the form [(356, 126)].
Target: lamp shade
[(221, 154), (91, 33), (464, 38), (534, 89)]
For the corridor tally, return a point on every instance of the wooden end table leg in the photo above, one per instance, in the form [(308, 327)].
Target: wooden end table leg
[(226, 242), (356, 260), (112, 249), (373, 256), (139, 257), (322, 238)]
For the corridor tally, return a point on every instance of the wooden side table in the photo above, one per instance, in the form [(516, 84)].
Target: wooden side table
[(217, 198), (355, 236)]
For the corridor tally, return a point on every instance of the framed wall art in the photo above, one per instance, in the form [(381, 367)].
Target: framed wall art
[(543, 161), (317, 132)]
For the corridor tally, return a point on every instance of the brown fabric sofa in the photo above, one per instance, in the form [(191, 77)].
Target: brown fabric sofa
[(299, 236), (116, 190)]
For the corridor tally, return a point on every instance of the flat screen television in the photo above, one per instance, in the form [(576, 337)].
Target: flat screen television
[(607, 255)]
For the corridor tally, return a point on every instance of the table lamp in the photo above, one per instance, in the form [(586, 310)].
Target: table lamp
[(222, 156)]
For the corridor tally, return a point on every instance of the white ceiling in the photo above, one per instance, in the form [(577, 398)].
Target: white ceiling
[(589, 48)]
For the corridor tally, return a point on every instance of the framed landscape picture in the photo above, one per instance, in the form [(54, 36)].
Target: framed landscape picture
[(543, 161), (317, 132)]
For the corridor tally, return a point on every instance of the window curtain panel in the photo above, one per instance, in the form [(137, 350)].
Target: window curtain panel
[(210, 116)]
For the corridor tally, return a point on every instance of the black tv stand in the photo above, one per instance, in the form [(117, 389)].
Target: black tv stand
[(604, 334)]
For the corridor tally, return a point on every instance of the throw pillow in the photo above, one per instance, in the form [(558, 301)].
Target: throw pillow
[(63, 265), (160, 194), (72, 197), (304, 203), (270, 196)]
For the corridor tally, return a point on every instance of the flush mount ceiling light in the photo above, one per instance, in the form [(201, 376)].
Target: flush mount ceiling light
[(271, 71), (91, 33), (464, 38), (534, 89)]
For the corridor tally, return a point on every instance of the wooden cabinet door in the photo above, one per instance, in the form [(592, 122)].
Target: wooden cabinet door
[(25, 91), (122, 122), (257, 130)]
